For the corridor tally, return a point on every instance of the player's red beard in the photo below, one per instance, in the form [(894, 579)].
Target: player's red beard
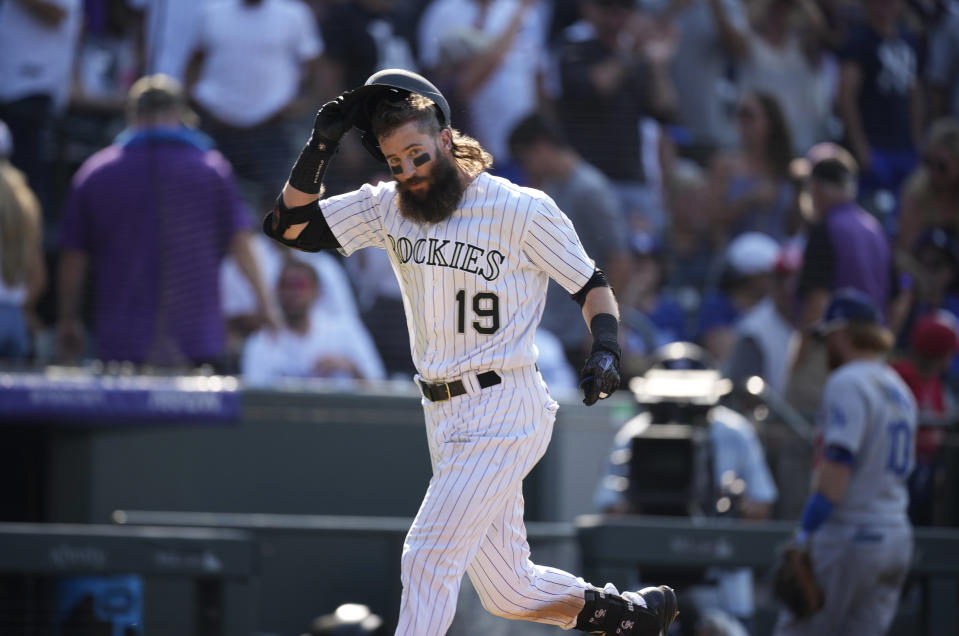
[(439, 200)]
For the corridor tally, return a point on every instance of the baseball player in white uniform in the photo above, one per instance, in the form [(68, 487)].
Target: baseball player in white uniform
[(472, 253), (855, 523)]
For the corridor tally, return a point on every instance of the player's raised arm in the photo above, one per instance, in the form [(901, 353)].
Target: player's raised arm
[(296, 220)]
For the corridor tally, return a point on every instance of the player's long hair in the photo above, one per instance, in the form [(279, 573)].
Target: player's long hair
[(389, 115), (873, 338)]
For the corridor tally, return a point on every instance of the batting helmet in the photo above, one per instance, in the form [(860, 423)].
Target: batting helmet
[(393, 83)]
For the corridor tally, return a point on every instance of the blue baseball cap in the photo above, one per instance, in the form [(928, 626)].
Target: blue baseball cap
[(846, 307)]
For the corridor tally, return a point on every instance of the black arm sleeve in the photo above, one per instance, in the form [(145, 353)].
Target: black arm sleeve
[(316, 236)]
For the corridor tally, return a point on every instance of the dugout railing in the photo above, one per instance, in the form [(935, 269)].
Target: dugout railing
[(344, 559)]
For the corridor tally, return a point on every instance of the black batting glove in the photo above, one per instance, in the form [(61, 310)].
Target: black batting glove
[(601, 375), (333, 120)]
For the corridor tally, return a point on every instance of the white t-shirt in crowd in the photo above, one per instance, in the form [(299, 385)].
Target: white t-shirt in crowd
[(171, 29), (237, 298), (36, 58), (253, 57), (268, 357)]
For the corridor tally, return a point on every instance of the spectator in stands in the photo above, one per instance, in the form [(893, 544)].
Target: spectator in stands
[(712, 41), (930, 196), (744, 282), (255, 66), (933, 345), (650, 316), (750, 186), (787, 59), (587, 197), (312, 343), (846, 246), (22, 268), (936, 274), (107, 64), (880, 102), (689, 250), (505, 78), (766, 340), (613, 84), (168, 33), (38, 46), (152, 216), (942, 70), (239, 302)]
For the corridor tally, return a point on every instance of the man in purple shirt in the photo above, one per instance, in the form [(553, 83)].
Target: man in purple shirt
[(847, 247), (153, 215)]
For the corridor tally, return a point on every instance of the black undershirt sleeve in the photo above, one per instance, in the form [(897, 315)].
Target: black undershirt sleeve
[(819, 261), (598, 280)]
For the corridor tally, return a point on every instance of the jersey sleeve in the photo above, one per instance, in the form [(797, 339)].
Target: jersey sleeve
[(355, 218), (551, 244), (844, 414)]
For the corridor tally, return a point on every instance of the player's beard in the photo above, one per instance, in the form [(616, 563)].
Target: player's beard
[(437, 202)]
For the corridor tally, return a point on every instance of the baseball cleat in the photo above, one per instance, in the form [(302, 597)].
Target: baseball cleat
[(661, 600)]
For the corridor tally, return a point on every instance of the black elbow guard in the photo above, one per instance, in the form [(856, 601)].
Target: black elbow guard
[(316, 236), (598, 280), (282, 217)]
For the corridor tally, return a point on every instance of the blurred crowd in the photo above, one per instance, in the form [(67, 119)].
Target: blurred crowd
[(729, 163)]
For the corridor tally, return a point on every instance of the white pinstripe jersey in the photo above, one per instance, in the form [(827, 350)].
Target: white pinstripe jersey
[(473, 285)]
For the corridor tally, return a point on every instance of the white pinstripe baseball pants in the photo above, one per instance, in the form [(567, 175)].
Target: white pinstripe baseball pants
[(482, 445)]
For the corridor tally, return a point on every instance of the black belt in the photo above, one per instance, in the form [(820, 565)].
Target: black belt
[(442, 391)]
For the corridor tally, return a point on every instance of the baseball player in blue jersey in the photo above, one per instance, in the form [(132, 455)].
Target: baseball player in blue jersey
[(472, 254), (854, 523)]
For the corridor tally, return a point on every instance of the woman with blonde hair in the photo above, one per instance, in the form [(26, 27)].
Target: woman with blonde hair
[(22, 270)]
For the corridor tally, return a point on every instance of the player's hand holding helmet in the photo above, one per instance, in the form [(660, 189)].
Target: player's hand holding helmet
[(601, 374), (333, 120)]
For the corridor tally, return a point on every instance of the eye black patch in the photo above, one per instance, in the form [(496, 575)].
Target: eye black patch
[(419, 160), (397, 169)]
